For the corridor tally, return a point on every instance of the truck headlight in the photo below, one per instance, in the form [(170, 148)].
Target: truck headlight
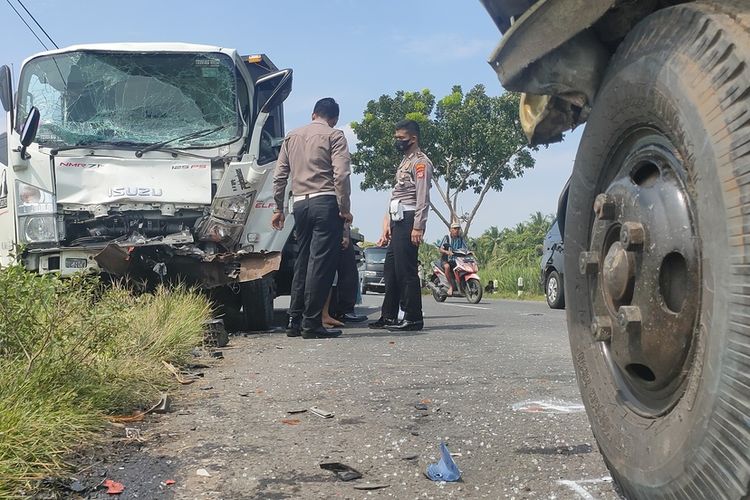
[(233, 208), (38, 228), (32, 200), (36, 214)]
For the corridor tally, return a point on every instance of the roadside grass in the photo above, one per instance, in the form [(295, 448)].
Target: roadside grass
[(73, 351)]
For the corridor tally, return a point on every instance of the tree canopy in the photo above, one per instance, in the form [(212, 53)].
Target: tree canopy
[(475, 143)]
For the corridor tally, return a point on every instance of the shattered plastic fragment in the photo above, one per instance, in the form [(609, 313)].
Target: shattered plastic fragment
[(113, 487), (342, 471), (446, 469)]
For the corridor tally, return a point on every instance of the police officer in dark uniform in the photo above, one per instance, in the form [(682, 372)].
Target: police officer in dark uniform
[(403, 232)]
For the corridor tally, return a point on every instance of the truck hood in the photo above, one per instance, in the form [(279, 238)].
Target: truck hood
[(110, 181)]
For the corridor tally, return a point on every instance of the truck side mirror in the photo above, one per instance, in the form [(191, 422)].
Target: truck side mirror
[(29, 130), (280, 82), (6, 88)]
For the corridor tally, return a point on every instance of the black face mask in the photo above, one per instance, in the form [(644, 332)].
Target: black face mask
[(402, 145)]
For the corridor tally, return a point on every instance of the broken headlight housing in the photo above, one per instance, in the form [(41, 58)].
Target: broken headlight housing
[(37, 221)]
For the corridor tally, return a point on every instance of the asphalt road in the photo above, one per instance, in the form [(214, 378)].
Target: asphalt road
[(494, 382)]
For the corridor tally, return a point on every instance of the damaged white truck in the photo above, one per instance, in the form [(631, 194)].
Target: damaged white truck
[(151, 161)]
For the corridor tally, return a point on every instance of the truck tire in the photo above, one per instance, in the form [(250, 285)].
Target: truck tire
[(227, 305), (257, 304), (553, 291), (657, 252)]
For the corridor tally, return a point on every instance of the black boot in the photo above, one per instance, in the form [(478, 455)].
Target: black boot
[(407, 326), (294, 329)]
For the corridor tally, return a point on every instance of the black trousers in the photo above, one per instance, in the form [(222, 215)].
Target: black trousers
[(346, 287), (318, 228), (402, 285)]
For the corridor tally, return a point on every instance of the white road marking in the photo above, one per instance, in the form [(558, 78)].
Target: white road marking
[(577, 486), (548, 407), (468, 307)]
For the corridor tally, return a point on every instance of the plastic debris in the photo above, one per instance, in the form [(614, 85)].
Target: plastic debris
[(321, 413), (446, 469), (421, 406), (342, 471), (295, 412), (291, 421), (202, 473), (169, 482), (553, 407), (113, 487)]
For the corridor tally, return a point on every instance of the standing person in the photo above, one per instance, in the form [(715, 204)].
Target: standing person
[(452, 242), (345, 295), (316, 157), (403, 231)]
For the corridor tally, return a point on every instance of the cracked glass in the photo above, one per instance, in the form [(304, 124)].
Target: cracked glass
[(89, 97)]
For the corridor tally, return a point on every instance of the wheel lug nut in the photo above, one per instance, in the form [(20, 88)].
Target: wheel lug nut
[(632, 235), (588, 263), (604, 207), (629, 319), (601, 328)]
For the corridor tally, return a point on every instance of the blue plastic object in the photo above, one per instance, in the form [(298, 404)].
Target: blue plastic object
[(446, 469)]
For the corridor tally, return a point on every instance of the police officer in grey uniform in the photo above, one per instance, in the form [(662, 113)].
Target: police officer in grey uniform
[(403, 231), (316, 157)]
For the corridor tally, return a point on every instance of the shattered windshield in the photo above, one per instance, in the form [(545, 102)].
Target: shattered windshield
[(131, 97)]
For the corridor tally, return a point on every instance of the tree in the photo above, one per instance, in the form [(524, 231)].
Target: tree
[(474, 141), (513, 246)]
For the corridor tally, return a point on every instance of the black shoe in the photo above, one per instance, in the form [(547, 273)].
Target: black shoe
[(294, 329), (352, 318), (407, 326), (320, 333), (382, 323)]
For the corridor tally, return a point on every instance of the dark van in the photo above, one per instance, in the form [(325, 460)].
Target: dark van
[(373, 277)]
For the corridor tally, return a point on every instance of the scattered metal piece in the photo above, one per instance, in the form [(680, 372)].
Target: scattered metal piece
[(421, 406), (321, 413), (217, 354), (207, 388), (342, 471), (294, 412), (163, 406), (410, 457)]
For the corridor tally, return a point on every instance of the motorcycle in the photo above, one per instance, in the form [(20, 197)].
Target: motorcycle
[(464, 276)]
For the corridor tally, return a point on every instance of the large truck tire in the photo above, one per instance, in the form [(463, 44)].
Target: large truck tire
[(257, 303), (227, 305), (657, 257)]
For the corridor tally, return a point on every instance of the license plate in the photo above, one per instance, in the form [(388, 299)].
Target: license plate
[(76, 263)]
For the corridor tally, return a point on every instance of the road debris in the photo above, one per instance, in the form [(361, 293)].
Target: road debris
[(295, 412), (202, 473), (410, 457), (421, 407), (169, 482), (446, 469), (113, 487), (342, 471), (133, 434), (174, 371), (553, 407), (291, 421), (368, 486), (321, 413)]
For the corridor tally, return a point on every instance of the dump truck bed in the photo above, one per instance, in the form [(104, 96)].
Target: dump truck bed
[(503, 12)]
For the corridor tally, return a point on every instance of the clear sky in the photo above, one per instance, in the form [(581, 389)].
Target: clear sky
[(352, 50)]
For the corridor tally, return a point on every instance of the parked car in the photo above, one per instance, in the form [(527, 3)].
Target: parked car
[(373, 276), (551, 277)]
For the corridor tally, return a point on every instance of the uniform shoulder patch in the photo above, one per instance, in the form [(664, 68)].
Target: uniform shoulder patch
[(419, 168)]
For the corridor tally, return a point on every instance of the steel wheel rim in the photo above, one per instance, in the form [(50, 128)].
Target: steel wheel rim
[(644, 272)]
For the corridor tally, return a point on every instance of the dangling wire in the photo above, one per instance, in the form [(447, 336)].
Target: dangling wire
[(27, 24), (37, 23)]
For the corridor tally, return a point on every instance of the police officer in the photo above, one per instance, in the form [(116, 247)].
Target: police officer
[(403, 231), (316, 157)]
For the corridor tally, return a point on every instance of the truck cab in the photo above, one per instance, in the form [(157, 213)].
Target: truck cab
[(151, 161)]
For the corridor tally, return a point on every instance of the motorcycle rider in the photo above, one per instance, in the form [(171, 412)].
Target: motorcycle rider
[(452, 242)]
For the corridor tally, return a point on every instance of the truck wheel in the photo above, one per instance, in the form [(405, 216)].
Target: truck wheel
[(554, 292), (657, 245), (257, 304), (227, 305)]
